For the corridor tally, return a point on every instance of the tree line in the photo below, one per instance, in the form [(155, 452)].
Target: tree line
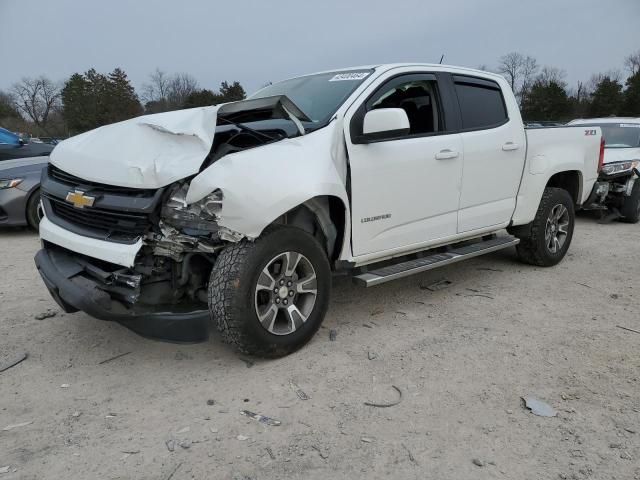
[(544, 95), (91, 99)]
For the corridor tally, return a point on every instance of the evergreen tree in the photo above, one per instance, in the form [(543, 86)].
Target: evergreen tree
[(93, 99), (546, 101), (231, 93), (201, 98), (7, 109), (606, 99), (631, 100), (123, 101)]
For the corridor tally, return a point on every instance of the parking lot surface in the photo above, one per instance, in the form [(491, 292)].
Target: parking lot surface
[(461, 357)]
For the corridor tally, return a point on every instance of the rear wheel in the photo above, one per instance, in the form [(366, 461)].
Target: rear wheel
[(34, 210), (631, 206), (549, 237), (270, 296)]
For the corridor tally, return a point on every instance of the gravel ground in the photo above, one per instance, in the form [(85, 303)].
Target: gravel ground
[(462, 357)]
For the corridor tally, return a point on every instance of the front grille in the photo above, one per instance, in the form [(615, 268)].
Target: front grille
[(107, 224), (61, 176)]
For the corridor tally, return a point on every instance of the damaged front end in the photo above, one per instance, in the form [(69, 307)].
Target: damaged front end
[(163, 292), (142, 255)]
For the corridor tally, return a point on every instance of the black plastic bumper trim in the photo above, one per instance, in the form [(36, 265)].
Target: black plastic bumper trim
[(191, 327)]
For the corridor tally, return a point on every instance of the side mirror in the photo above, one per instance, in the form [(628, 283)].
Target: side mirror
[(385, 123)]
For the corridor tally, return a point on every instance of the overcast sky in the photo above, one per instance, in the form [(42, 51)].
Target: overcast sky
[(255, 41)]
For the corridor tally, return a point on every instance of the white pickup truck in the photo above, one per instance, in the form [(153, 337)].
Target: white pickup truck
[(241, 212)]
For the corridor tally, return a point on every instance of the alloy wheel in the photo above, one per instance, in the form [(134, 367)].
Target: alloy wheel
[(557, 228), (286, 293)]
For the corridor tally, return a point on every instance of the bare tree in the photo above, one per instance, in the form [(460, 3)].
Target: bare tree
[(550, 75), (519, 70), (181, 85), (168, 91), (36, 99), (597, 78), (510, 66), (632, 63), (157, 89)]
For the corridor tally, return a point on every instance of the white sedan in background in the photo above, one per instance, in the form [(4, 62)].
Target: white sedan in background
[(618, 186)]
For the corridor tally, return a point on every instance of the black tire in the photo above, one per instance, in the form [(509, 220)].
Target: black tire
[(233, 294), (33, 212), (631, 205), (534, 247)]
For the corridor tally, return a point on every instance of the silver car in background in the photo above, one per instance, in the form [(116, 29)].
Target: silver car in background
[(20, 191)]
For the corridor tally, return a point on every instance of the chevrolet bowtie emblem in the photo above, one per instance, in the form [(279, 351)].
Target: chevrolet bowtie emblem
[(79, 199)]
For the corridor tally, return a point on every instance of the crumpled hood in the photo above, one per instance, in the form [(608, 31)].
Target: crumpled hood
[(150, 151)]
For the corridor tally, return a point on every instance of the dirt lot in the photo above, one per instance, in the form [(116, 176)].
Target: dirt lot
[(462, 358)]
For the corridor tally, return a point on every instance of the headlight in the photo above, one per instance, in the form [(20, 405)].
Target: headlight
[(200, 215), (9, 183), (620, 167)]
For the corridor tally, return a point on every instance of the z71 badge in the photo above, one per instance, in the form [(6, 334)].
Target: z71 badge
[(590, 132)]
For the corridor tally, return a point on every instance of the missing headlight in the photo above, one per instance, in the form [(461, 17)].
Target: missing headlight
[(201, 215)]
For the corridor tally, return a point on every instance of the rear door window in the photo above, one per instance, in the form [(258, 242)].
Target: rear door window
[(481, 103)]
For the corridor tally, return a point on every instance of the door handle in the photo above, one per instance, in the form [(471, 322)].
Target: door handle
[(509, 146), (446, 154)]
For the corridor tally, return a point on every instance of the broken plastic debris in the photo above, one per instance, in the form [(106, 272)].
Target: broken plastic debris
[(272, 422), (538, 407), (299, 392), (385, 405), (434, 287), (5, 469), (242, 438)]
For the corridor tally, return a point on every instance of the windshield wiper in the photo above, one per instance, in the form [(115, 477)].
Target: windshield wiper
[(248, 129)]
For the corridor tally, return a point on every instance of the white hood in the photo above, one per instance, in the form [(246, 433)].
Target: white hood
[(621, 154), (144, 152)]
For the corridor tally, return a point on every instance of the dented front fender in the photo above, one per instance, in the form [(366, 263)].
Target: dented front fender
[(261, 184)]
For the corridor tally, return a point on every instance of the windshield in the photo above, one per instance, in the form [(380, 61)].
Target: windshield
[(619, 135), (318, 96)]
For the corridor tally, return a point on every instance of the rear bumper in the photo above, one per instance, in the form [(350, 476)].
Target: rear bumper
[(73, 292)]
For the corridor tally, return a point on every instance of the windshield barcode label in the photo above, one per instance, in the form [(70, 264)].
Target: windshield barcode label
[(340, 77)]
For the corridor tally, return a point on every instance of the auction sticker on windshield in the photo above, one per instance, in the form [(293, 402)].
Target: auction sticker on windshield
[(340, 77)]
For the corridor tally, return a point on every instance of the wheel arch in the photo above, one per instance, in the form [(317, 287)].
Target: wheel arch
[(569, 180), (324, 217)]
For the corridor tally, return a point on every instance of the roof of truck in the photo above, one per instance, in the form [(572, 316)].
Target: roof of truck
[(580, 121), (390, 66)]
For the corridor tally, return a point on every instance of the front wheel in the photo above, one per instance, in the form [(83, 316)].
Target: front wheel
[(34, 210), (631, 205), (549, 237), (269, 297)]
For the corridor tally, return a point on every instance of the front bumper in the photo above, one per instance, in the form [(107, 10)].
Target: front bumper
[(61, 273), (13, 206)]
